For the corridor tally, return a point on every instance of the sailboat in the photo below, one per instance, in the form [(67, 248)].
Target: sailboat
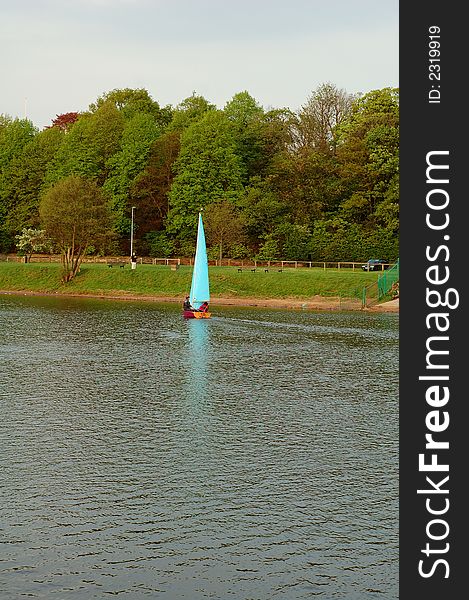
[(200, 293)]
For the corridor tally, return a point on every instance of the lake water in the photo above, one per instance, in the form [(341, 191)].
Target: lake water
[(250, 456)]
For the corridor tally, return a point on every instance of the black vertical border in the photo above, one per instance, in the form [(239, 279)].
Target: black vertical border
[(427, 127)]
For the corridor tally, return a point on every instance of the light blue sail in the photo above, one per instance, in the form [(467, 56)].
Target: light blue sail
[(200, 291)]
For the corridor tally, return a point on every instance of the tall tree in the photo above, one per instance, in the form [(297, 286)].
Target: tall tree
[(89, 144), (278, 128), (149, 192), (308, 183), (260, 136), (189, 111), (368, 154), (15, 134), (23, 180), (242, 109), (262, 212), (131, 102), (223, 225), (208, 170), (245, 116), (326, 108), (139, 133), (75, 215)]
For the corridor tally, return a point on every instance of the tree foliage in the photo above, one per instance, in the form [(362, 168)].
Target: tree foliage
[(189, 111), (65, 121), (319, 182), (23, 180), (207, 169), (125, 165), (32, 240), (75, 215), (88, 146), (223, 225), (16, 135), (326, 109), (149, 193), (131, 102)]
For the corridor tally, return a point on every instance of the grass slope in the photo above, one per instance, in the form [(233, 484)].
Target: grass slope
[(149, 280)]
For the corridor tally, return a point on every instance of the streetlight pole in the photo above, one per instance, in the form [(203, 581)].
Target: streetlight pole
[(132, 240)]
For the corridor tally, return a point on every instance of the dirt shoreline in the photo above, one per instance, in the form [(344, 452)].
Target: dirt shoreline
[(314, 303)]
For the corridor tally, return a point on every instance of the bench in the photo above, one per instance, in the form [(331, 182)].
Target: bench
[(116, 264), (240, 270)]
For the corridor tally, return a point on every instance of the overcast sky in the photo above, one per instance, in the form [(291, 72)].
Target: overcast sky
[(59, 56)]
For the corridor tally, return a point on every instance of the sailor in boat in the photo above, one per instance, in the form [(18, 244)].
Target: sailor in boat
[(187, 305), (203, 307)]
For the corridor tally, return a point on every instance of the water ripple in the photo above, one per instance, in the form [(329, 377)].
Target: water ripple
[(252, 456)]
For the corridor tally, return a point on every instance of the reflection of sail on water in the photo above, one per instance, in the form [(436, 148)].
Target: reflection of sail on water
[(198, 357)]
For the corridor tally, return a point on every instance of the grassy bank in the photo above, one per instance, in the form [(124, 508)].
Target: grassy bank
[(149, 280)]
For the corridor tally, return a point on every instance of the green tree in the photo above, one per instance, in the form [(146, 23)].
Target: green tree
[(242, 109), (23, 179), (294, 241), (269, 249), (368, 154), (192, 109), (308, 183), (207, 170), (92, 140), (157, 244), (32, 240), (75, 215), (277, 131), (131, 102), (149, 192), (245, 116), (259, 135), (14, 135), (262, 212), (139, 133), (223, 225)]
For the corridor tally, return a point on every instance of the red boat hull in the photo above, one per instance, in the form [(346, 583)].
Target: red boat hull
[(195, 314)]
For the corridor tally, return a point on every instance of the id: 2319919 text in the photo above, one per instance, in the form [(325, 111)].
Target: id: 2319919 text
[(434, 65)]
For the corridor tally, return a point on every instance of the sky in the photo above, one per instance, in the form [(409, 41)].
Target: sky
[(59, 56)]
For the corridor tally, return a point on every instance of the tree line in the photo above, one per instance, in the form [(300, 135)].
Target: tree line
[(321, 183)]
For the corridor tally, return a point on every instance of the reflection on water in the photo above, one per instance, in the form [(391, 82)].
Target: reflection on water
[(198, 356), (251, 455)]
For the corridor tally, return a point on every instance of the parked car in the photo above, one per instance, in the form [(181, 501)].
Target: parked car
[(375, 264)]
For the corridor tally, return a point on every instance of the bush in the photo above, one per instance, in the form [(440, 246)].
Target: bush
[(6, 241), (269, 249), (294, 241), (32, 240), (158, 244), (338, 240), (239, 251)]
